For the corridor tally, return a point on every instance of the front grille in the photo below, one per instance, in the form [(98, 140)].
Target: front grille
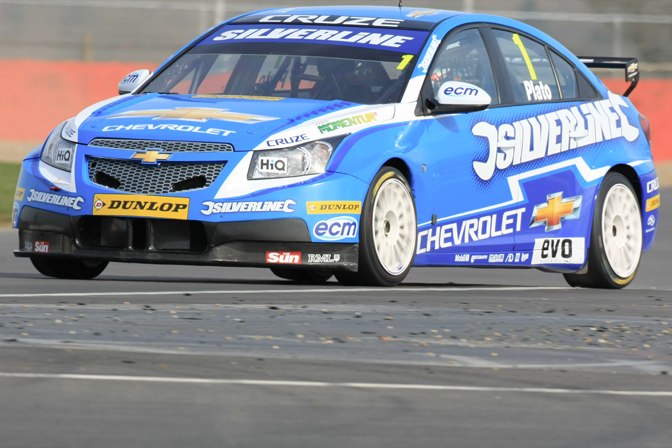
[(133, 177), (165, 146)]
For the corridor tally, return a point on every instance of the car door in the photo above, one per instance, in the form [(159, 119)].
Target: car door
[(545, 124), (474, 213)]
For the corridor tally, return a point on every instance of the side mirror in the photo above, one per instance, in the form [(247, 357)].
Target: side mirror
[(132, 81), (455, 96)]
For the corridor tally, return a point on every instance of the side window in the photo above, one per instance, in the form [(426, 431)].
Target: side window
[(530, 71), (566, 76), (463, 57)]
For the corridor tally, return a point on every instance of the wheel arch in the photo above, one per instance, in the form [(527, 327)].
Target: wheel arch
[(630, 174), (402, 167)]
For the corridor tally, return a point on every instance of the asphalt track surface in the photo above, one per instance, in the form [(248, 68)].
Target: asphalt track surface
[(171, 356)]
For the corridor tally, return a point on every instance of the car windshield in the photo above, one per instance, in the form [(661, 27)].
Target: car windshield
[(367, 73)]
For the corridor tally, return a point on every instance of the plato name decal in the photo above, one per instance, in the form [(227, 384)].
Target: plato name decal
[(140, 206), (283, 257), (324, 207), (473, 229), (335, 229), (55, 199), (559, 251), (552, 133), (248, 207)]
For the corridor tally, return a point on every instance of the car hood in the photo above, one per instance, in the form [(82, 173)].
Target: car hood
[(245, 122)]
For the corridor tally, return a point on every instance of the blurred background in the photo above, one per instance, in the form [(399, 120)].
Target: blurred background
[(59, 56)]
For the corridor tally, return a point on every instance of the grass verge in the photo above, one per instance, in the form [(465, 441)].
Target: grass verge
[(9, 174)]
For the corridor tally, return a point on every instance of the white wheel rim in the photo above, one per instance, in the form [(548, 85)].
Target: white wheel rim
[(394, 226), (622, 230)]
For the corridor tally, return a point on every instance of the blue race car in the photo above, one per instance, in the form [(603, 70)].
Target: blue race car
[(356, 142)]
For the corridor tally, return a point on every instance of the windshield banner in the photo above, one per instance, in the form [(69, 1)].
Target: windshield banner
[(406, 41)]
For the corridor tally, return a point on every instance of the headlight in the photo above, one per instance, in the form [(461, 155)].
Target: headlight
[(58, 152), (309, 158)]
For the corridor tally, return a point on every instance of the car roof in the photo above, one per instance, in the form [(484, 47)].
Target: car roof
[(427, 16)]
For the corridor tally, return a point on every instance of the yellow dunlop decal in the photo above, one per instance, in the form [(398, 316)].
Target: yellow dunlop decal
[(324, 207), (141, 206), (653, 203), (18, 194)]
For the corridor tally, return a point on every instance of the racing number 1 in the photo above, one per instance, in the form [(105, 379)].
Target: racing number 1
[(405, 59), (517, 41)]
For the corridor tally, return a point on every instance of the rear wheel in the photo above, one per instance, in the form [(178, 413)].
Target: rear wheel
[(387, 234), (69, 268), (309, 276), (616, 238)]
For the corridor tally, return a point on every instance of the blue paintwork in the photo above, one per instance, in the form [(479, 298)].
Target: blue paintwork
[(439, 153)]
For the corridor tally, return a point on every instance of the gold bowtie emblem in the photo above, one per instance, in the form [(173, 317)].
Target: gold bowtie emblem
[(150, 156), (201, 114)]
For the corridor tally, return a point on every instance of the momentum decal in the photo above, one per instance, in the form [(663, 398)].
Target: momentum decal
[(55, 199), (324, 207), (200, 114), (555, 210), (141, 206), (473, 229), (250, 206), (548, 134), (347, 122)]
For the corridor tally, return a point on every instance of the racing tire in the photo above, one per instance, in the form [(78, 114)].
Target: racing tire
[(387, 233), (616, 238), (69, 268), (306, 276)]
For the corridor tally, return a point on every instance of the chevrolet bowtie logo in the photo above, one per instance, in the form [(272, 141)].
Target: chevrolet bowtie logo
[(556, 210), (150, 157), (201, 114)]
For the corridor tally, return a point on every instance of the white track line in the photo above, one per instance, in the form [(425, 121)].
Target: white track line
[(284, 291), (149, 379)]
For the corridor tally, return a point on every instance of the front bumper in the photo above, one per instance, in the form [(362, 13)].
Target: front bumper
[(259, 243)]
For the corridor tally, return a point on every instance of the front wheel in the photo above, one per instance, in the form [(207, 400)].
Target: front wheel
[(387, 233), (616, 238), (69, 268)]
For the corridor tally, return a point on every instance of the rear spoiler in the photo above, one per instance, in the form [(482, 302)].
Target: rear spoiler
[(631, 66)]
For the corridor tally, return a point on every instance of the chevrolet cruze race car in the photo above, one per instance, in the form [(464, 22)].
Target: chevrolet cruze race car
[(353, 141)]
